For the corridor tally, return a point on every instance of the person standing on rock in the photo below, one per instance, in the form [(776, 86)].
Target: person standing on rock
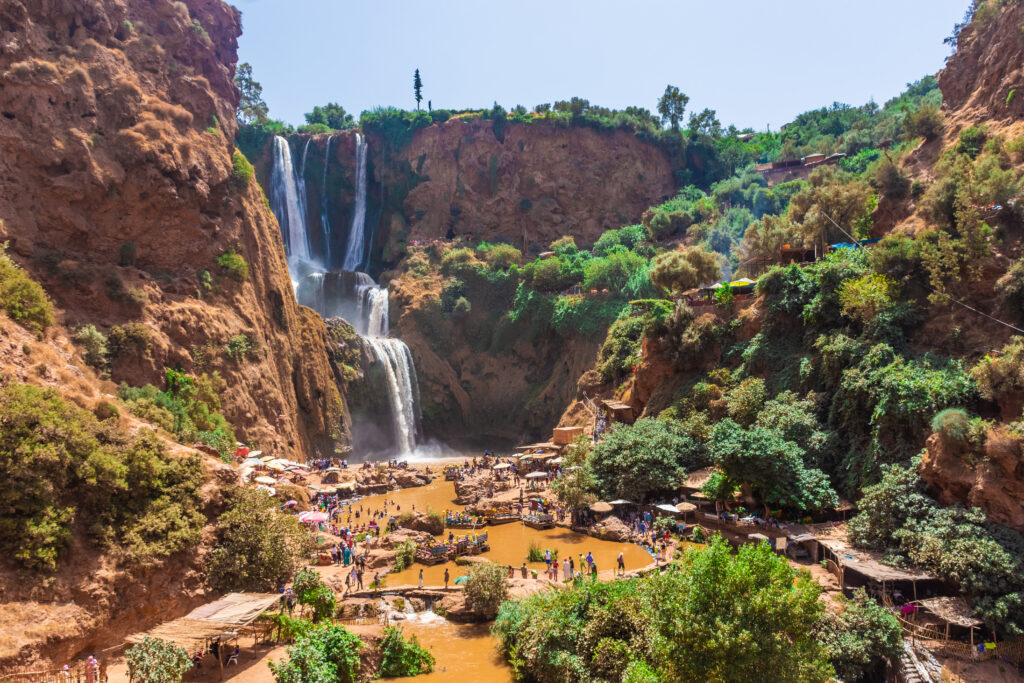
[(621, 563), (566, 570), (446, 578)]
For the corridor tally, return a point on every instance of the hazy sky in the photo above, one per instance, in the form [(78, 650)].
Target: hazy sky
[(757, 62)]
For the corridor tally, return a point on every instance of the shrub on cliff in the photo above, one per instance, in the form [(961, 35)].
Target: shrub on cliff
[(189, 408), (94, 346), (242, 170), (23, 298), (259, 547), (234, 265), (502, 256), (1010, 288), (63, 469)]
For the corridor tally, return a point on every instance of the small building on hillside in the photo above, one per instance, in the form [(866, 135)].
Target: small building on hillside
[(619, 411)]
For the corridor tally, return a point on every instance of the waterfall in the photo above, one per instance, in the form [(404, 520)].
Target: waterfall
[(346, 293), (325, 219), (357, 233), (402, 388), (288, 201)]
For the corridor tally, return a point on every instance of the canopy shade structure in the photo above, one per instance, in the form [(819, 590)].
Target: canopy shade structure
[(757, 537), (265, 458), (686, 507), (536, 475), (333, 469), (255, 462), (558, 461), (955, 611), (269, 481), (601, 507), (255, 454), (501, 466), (218, 620), (313, 517), (622, 501), (275, 466), (667, 507)]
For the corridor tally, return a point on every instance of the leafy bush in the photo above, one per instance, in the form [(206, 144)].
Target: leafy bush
[(234, 265), (63, 468), (677, 271), (94, 346), (310, 590), (952, 423), (239, 347), (861, 638), (486, 588), (131, 339), (972, 139), (189, 408), (324, 654), (866, 297), (1001, 376), (259, 547), (242, 170), (502, 256), (892, 181), (925, 122), (404, 555), (621, 348), (717, 616), (1010, 288), (23, 298), (157, 661), (401, 657)]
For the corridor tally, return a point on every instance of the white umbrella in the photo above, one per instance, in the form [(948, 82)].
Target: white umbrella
[(269, 481), (255, 454), (622, 501), (557, 461), (501, 466), (536, 475), (667, 507)]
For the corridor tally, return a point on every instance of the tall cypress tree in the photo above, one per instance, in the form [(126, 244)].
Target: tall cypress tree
[(417, 88)]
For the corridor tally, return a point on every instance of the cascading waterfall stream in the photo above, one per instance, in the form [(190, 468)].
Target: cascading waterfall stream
[(357, 233), (288, 202), (348, 293), (325, 219)]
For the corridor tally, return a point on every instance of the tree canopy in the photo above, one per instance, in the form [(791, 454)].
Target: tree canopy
[(672, 105)]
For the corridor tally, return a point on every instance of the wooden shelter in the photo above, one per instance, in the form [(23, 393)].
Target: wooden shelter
[(564, 436), (619, 411), (219, 621), (856, 568)]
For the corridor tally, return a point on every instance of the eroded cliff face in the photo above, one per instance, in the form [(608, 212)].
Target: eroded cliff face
[(528, 184), (980, 79), (117, 193)]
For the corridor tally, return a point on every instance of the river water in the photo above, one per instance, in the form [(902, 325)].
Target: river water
[(509, 542)]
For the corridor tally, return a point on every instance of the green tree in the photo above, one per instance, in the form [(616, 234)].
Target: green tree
[(417, 88), (640, 460), (771, 465), (682, 269), (714, 617), (866, 297), (259, 546), (23, 298), (672, 106), (486, 588), (324, 654), (706, 123), (251, 107), (157, 661), (860, 638), (332, 115), (311, 590)]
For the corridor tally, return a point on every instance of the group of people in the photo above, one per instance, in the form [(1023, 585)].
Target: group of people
[(95, 672)]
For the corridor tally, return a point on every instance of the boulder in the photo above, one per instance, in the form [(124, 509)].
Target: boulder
[(612, 528)]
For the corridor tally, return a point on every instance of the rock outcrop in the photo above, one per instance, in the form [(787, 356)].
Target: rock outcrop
[(991, 478), (118, 192)]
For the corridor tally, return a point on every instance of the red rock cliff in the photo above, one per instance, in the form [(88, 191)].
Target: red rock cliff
[(117, 193)]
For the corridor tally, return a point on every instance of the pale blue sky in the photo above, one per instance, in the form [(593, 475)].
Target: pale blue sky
[(756, 62)]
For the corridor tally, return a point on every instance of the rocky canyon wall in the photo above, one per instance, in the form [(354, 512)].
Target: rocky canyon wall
[(118, 193)]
